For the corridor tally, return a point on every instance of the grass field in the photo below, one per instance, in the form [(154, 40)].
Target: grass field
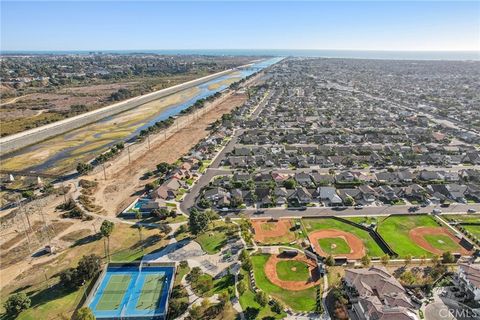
[(471, 218), (442, 242), (321, 224), (114, 292), (151, 291), (292, 270), (334, 246), (475, 230), (395, 230), (248, 303), (304, 300), (215, 237)]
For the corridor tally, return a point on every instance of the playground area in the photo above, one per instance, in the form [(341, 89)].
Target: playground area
[(132, 291)]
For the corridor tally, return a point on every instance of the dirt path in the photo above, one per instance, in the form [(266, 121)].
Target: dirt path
[(356, 244), (13, 100), (418, 236), (271, 273)]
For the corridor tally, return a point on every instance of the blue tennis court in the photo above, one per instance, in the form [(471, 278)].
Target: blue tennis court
[(128, 291)]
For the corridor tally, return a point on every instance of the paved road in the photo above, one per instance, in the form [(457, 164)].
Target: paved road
[(366, 211)]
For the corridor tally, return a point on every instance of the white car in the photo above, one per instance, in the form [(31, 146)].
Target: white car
[(471, 210)]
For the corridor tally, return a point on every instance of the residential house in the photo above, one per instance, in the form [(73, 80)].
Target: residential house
[(300, 196), (377, 295), (329, 196), (468, 276)]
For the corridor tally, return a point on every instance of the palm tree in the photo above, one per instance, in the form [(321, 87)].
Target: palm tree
[(138, 216), (106, 230)]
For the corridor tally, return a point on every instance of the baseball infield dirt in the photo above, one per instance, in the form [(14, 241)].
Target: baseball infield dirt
[(273, 231)]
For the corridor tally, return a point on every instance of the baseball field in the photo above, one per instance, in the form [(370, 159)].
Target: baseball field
[(418, 235), (289, 280), (334, 237)]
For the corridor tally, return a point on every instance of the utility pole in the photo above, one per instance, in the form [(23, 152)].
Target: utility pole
[(128, 149), (28, 237), (104, 172), (148, 139), (26, 216)]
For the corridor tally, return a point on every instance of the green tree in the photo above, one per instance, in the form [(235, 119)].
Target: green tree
[(88, 267), (366, 260), (447, 257), (68, 278), (84, 313), (435, 259), (289, 183), (138, 216), (198, 221), (163, 167), (83, 168), (330, 261), (16, 303), (261, 298), (106, 230), (277, 306), (349, 201), (408, 259), (241, 287), (385, 259)]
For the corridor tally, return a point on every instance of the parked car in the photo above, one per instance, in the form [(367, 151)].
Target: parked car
[(471, 210), (358, 207), (413, 209), (436, 211)]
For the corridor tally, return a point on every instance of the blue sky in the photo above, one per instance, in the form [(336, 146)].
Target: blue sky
[(358, 25)]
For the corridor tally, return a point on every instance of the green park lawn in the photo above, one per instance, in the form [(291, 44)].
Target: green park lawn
[(291, 270), (334, 246), (249, 305), (395, 231), (474, 230), (215, 237), (442, 242), (464, 218), (371, 246), (304, 300)]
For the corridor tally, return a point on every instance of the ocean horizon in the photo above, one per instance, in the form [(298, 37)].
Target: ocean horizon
[(346, 54)]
